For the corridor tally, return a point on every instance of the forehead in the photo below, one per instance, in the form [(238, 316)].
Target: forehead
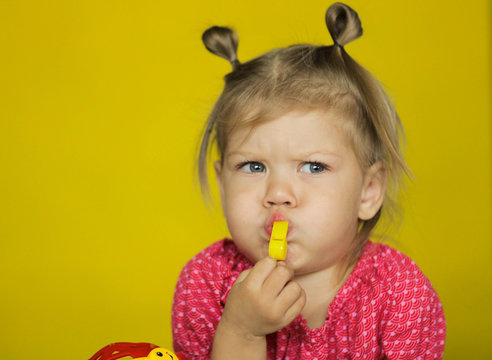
[(313, 130)]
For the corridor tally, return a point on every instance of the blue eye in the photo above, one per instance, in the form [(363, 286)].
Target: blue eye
[(252, 167), (313, 167)]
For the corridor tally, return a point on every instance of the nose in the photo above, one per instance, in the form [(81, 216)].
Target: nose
[(279, 192)]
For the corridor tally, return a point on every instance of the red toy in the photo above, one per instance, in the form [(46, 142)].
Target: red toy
[(134, 350)]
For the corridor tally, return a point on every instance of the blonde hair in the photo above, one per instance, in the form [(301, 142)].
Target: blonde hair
[(307, 77)]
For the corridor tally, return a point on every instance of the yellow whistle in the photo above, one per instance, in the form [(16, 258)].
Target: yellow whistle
[(278, 240)]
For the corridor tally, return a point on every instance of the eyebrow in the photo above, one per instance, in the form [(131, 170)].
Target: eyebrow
[(307, 154), (239, 153), (303, 155)]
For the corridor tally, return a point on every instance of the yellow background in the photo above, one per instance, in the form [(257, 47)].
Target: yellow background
[(101, 106)]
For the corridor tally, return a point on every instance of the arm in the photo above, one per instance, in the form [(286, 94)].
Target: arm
[(197, 308), (262, 301), (416, 327)]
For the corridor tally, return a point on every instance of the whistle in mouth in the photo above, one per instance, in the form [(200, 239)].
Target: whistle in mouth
[(278, 240)]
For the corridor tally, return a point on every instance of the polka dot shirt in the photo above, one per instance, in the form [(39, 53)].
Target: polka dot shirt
[(387, 309)]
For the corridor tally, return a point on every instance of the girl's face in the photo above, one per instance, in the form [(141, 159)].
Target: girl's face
[(299, 167)]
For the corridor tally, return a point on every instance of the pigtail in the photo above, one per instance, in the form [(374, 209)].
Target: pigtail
[(378, 119), (222, 41), (343, 24)]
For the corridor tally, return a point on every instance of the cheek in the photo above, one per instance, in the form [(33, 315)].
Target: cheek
[(240, 205), (337, 206), (236, 193)]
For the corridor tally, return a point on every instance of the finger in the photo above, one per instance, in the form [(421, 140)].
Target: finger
[(261, 271), (242, 276), (289, 295), (295, 309), (278, 278)]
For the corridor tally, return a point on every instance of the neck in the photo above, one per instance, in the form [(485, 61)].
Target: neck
[(321, 288)]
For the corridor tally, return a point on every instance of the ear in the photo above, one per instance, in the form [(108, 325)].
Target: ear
[(373, 191)]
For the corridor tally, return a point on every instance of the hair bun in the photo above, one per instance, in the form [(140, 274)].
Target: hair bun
[(222, 41), (343, 23)]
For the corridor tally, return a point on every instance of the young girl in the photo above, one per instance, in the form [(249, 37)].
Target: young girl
[(305, 135)]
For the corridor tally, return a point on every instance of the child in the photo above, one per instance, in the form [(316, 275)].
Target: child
[(308, 136)]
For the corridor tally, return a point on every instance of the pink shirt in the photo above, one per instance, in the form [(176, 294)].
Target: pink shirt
[(387, 309)]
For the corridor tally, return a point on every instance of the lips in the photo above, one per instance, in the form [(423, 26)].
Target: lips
[(276, 216)]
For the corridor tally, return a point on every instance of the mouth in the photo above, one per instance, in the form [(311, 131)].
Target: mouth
[(276, 216)]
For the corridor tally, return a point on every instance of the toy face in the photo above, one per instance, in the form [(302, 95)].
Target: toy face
[(161, 354)]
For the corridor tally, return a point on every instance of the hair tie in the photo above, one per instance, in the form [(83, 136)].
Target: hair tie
[(235, 63), (336, 43)]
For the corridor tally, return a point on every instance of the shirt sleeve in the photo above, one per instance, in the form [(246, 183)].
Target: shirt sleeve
[(196, 311), (415, 327), (199, 299)]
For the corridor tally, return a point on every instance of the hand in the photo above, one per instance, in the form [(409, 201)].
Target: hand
[(263, 300)]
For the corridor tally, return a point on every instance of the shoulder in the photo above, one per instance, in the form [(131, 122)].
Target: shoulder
[(399, 274), (394, 275), (391, 285), (213, 270), (408, 308), (219, 259), (386, 265), (199, 297), (205, 281)]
